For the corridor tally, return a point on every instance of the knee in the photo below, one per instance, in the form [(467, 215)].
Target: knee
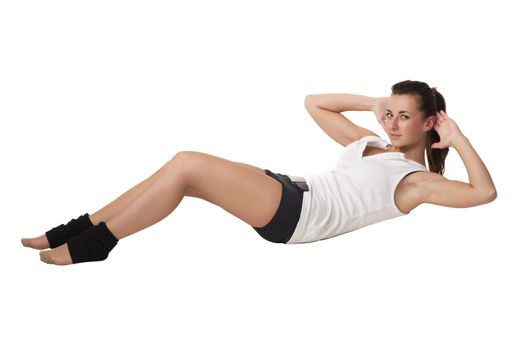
[(185, 162)]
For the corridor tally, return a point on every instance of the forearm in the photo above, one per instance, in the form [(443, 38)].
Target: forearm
[(478, 173), (341, 102)]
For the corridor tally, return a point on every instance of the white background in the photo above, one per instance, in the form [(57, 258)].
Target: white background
[(95, 96)]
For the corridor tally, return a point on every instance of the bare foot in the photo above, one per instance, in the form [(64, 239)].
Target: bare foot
[(57, 256), (39, 242)]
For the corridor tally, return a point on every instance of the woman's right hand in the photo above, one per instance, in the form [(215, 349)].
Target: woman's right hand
[(379, 109)]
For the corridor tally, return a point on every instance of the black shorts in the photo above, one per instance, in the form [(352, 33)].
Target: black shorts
[(282, 225)]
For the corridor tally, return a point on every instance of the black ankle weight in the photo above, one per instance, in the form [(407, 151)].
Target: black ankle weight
[(94, 244), (63, 233)]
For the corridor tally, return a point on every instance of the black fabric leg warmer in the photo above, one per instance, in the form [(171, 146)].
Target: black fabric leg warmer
[(94, 244), (63, 233)]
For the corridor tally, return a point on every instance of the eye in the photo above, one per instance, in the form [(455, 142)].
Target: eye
[(403, 116)]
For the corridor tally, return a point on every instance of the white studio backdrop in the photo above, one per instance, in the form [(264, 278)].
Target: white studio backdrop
[(95, 96)]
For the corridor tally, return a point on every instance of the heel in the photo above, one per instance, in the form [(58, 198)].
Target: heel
[(94, 244)]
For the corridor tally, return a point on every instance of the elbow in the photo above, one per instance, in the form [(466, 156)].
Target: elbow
[(490, 195), (493, 194), (308, 100), (311, 101)]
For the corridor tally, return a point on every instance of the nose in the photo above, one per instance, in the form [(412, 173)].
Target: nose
[(394, 123)]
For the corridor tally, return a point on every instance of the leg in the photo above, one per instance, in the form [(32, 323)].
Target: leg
[(240, 189), (118, 205), (115, 207), (121, 202), (104, 214)]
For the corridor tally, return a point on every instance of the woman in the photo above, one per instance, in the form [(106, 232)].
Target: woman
[(373, 180)]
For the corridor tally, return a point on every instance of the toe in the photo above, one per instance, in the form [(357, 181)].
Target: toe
[(57, 256), (30, 243), (35, 243), (46, 257)]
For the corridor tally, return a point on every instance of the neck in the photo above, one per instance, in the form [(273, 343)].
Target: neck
[(415, 152)]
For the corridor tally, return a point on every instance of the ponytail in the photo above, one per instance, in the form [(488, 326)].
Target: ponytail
[(436, 156)]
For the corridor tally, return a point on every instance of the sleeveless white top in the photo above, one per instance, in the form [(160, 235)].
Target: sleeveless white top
[(358, 192)]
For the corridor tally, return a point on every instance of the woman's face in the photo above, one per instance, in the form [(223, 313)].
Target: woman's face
[(403, 121)]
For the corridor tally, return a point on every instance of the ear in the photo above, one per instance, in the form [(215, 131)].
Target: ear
[(429, 123)]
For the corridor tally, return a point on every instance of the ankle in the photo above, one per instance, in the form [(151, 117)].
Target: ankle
[(93, 244), (62, 233), (95, 219)]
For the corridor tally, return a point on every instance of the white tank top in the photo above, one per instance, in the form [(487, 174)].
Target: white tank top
[(358, 192)]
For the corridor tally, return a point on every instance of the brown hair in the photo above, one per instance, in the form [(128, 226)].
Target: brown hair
[(430, 101)]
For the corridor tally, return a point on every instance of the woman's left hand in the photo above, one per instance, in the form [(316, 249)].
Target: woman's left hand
[(447, 130)]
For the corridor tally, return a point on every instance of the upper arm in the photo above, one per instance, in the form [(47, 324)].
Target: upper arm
[(336, 125), (436, 189)]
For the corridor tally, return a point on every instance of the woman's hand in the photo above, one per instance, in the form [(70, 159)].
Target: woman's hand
[(379, 109), (447, 130)]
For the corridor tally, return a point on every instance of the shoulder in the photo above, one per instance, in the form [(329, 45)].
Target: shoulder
[(368, 137), (360, 135)]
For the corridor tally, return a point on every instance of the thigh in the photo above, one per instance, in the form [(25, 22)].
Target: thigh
[(243, 190)]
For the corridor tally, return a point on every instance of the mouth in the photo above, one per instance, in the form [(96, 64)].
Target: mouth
[(394, 135)]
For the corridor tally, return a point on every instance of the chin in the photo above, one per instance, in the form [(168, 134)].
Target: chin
[(395, 141)]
